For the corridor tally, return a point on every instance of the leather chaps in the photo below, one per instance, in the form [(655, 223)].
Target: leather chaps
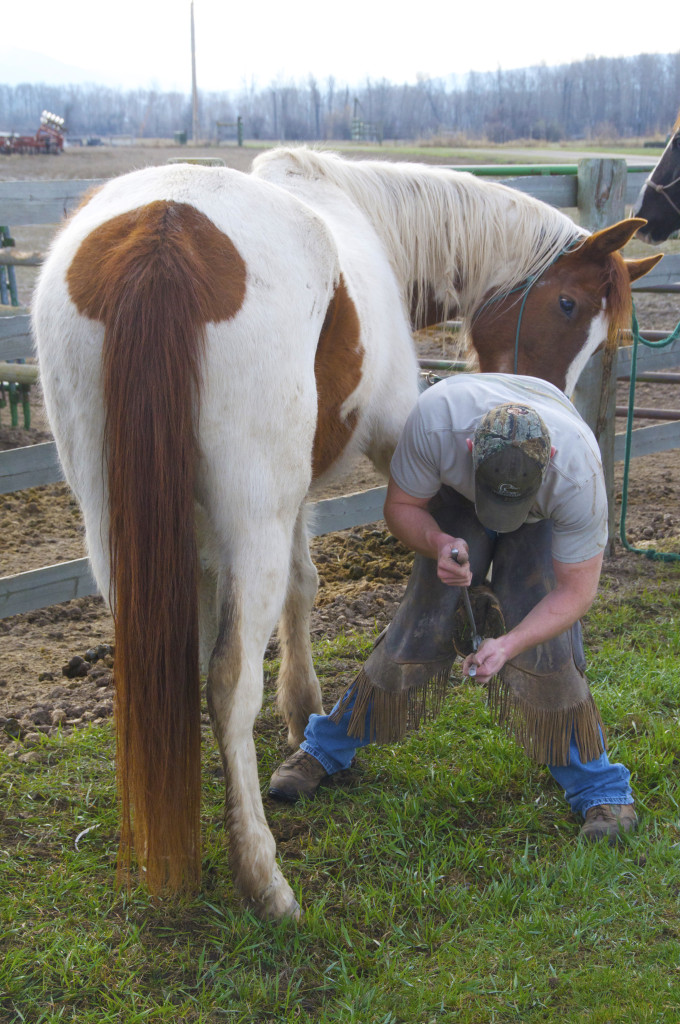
[(540, 698)]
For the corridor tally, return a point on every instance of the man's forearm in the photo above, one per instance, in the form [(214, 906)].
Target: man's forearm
[(415, 528), (554, 614), (410, 521)]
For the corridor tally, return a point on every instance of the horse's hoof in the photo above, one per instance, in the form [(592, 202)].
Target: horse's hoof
[(295, 738), (277, 902)]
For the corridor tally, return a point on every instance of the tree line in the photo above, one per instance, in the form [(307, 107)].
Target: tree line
[(600, 97)]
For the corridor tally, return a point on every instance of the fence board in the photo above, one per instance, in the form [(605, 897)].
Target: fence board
[(65, 581), (47, 202), (648, 358), (664, 277), (551, 189), (358, 509), (40, 588), (647, 440), (32, 466), (41, 202), (562, 191), (634, 182), (16, 341)]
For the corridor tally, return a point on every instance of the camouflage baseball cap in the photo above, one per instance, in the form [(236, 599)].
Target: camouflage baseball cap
[(511, 452)]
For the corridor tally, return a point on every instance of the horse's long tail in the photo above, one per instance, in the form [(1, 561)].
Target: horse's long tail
[(155, 277)]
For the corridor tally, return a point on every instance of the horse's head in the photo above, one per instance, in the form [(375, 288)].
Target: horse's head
[(659, 199), (550, 327)]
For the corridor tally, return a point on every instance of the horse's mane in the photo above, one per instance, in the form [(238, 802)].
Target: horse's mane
[(466, 238)]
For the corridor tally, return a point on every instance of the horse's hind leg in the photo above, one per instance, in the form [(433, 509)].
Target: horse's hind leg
[(298, 693), (249, 601)]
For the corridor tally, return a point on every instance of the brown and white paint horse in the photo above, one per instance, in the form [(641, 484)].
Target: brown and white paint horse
[(659, 199), (214, 344)]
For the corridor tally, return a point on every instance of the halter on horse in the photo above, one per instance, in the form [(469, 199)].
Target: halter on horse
[(659, 199), (212, 344)]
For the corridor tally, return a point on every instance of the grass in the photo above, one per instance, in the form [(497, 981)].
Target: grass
[(441, 881)]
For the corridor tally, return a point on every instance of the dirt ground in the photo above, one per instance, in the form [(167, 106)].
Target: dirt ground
[(55, 663)]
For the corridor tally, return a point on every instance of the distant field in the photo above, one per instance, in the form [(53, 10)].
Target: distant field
[(106, 161)]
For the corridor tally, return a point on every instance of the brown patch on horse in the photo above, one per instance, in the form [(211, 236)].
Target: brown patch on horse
[(155, 276), (337, 367), (144, 247)]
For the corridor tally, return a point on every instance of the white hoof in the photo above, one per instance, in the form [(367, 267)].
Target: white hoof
[(277, 901)]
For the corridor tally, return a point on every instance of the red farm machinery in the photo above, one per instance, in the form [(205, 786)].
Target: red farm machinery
[(49, 137)]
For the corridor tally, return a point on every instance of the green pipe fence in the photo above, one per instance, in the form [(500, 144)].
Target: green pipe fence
[(532, 170)]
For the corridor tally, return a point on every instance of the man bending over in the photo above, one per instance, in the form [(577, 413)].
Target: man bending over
[(493, 474)]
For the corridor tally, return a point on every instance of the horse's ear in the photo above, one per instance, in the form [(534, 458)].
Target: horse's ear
[(638, 268), (613, 238)]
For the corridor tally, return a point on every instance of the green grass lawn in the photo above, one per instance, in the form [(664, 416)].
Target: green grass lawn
[(441, 881)]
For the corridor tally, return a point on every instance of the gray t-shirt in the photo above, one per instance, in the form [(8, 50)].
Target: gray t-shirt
[(433, 451)]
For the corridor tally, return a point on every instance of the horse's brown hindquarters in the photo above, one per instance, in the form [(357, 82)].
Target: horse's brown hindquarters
[(337, 367), (142, 247), (154, 277)]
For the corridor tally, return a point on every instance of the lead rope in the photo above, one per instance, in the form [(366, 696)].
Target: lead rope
[(651, 553), (663, 191), (530, 285)]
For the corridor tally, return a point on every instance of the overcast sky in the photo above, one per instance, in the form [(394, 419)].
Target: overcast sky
[(134, 43)]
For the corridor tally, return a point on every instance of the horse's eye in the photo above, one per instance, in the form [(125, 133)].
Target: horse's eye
[(567, 305)]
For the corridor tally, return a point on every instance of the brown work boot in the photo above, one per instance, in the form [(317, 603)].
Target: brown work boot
[(609, 821), (300, 775)]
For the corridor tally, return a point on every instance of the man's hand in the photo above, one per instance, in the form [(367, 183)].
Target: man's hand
[(454, 569), (576, 586), (489, 659), (409, 520)]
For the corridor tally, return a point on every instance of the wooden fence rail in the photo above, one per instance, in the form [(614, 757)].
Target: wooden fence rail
[(37, 202), (47, 202)]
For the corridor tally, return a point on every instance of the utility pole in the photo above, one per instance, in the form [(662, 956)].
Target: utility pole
[(194, 91)]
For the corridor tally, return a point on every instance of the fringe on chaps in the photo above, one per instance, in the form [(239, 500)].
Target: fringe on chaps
[(540, 698)]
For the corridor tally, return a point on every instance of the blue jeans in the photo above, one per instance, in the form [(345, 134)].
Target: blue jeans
[(584, 785)]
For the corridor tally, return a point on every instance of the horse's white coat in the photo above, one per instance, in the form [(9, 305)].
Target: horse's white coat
[(298, 222)]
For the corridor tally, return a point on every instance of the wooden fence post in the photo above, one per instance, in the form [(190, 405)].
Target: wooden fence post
[(601, 198), (587, 398), (601, 192)]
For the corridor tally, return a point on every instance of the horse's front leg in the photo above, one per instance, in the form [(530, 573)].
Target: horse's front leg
[(298, 692), (246, 615)]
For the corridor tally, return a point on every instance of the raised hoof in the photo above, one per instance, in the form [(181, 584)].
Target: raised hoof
[(298, 724), (295, 738), (277, 902)]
